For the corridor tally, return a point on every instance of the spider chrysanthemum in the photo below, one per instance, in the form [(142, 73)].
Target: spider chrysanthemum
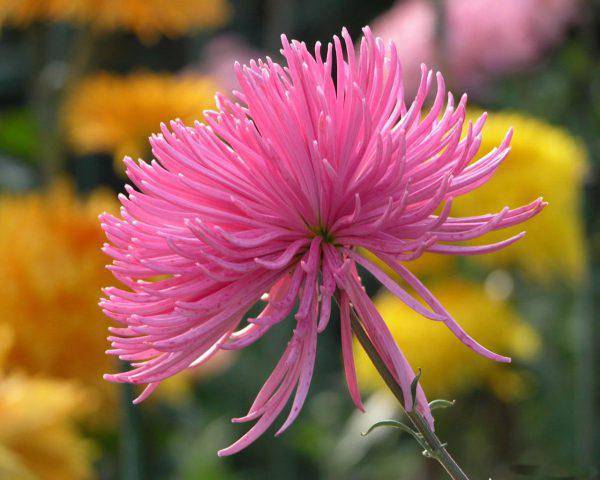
[(272, 198)]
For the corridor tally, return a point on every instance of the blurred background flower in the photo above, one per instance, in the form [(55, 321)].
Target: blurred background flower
[(487, 37), (49, 250), (473, 40), (221, 53), (146, 18), (39, 438), (447, 368), (139, 102), (544, 160), (50, 243), (547, 160)]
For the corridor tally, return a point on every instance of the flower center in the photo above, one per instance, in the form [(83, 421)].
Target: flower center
[(323, 232)]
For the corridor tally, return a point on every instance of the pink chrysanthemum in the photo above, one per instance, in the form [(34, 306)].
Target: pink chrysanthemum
[(272, 200), (483, 38)]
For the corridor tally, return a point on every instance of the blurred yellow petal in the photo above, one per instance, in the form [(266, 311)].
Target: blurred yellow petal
[(12, 467), (524, 341), (448, 366), (138, 104), (49, 244), (509, 386), (38, 434), (544, 161), (148, 19), (6, 340), (50, 322)]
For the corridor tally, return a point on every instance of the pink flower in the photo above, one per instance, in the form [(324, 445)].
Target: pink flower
[(488, 37), (482, 37), (220, 54), (411, 25), (272, 199)]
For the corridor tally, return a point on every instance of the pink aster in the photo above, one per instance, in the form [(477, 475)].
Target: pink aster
[(274, 199)]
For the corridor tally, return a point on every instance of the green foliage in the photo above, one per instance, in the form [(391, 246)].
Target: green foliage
[(19, 134)]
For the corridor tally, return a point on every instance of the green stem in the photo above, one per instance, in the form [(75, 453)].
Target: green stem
[(44, 102), (130, 440), (53, 80), (436, 448), (81, 56)]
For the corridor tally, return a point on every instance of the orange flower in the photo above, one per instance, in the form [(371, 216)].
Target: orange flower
[(148, 19), (138, 104)]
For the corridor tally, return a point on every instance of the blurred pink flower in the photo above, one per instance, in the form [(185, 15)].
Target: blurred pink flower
[(275, 196), (411, 26), (492, 37), (221, 53), (482, 37)]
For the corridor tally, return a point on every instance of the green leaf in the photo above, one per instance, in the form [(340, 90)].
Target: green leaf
[(440, 404), (413, 387), (400, 426), (393, 424)]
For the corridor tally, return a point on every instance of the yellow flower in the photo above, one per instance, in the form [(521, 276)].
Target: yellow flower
[(38, 435), (448, 366), (53, 271), (544, 161), (6, 340), (146, 18), (21, 12), (116, 114), (50, 255)]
